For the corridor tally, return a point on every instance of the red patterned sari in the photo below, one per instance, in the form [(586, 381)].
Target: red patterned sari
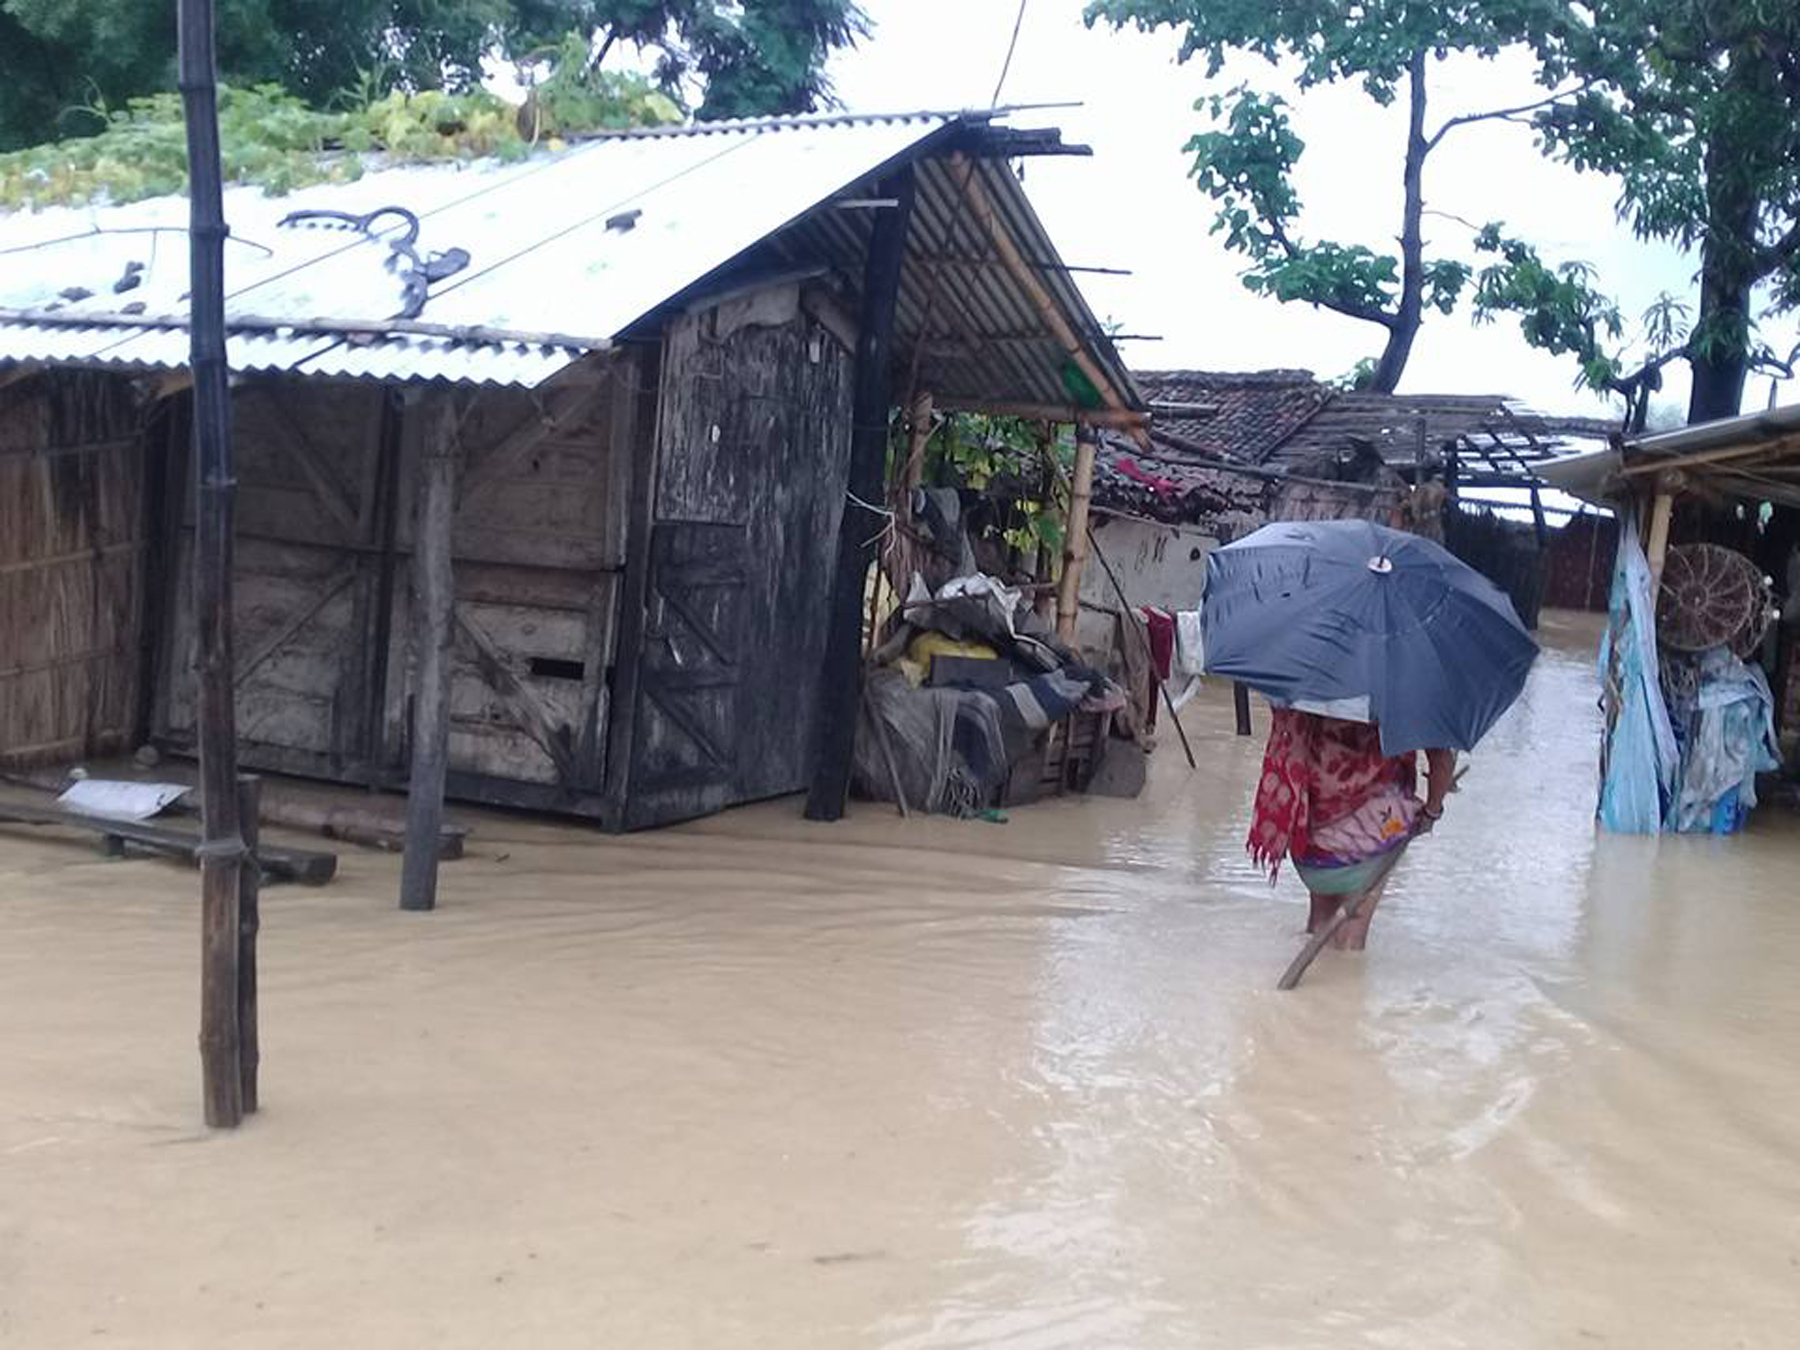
[(1317, 772)]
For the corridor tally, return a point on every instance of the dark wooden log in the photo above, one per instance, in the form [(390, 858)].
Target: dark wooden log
[(1240, 703), (120, 837), (434, 619), (223, 851), (249, 924), (840, 689)]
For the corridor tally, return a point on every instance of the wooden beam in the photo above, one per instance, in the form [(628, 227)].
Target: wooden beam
[(298, 446), (1783, 445), (249, 924), (564, 407), (536, 722), (840, 685), (1075, 542), (912, 473), (1122, 419), (1662, 507), (330, 588), (309, 867), (434, 599), (982, 205)]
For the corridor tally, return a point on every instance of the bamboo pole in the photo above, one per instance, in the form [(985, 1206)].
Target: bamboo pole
[(1662, 509), (918, 433), (976, 194), (434, 626), (222, 852), (1075, 544), (1044, 565)]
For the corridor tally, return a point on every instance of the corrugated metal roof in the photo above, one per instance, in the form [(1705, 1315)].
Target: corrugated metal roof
[(543, 258)]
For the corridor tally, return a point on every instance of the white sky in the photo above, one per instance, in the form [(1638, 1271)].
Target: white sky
[(1132, 205)]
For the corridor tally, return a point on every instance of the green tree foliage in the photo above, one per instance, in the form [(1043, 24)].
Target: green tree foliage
[(61, 60), (1693, 106), (1393, 50)]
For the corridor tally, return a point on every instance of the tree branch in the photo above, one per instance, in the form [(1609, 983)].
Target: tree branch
[(1506, 114), (1773, 257)]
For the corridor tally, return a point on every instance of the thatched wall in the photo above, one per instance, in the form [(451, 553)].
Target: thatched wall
[(72, 552)]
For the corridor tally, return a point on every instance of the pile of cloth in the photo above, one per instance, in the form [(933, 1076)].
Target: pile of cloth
[(1723, 716), (960, 691), (1690, 734)]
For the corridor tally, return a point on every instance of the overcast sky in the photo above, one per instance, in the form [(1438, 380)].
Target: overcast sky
[(1132, 205)]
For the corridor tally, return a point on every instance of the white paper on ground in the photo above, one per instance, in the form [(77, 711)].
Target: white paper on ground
[(112, 799)]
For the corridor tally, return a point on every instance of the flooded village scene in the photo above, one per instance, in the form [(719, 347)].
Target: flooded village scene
[(1041, 674)]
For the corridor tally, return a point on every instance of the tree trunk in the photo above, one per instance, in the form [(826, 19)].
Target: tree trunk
[(1729, 262), (1403, 327)]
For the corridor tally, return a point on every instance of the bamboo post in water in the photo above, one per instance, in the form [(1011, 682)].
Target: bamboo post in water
[(222, 853), (249, 923), (434, 626), (1075, 529)]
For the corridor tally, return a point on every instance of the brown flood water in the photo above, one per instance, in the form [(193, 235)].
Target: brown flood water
[(756, 1083)]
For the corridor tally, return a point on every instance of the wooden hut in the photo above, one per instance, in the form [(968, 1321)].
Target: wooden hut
[(637, 360)]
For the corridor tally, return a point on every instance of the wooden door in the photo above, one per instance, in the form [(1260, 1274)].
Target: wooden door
[(538, 543), (686, 736), (313, 486)]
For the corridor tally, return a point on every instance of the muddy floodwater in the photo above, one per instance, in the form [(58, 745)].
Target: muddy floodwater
[(755, 1083)]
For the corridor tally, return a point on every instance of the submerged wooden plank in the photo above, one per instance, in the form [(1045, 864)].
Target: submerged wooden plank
[(305, 866)]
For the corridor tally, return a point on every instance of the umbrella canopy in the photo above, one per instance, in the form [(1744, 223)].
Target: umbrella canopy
[(1349, 615)]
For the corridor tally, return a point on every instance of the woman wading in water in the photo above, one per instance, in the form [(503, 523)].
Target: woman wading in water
[(1331, 801)]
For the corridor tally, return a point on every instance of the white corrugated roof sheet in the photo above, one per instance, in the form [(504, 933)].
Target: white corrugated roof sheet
[(543, 259)]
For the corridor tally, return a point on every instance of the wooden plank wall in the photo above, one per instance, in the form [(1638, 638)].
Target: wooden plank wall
[(755, 430), (73, 469), (539, 545), (326, 476), (309, 531)]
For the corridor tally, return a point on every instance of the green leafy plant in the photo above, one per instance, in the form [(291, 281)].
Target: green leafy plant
[(1005, 458), (271, 139)]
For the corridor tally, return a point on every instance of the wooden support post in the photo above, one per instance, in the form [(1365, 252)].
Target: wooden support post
[(1240, 704), (840, 684), (249, 924), (1075, 529), (222, 851), (1049, 475), (1662, 508), (434, 627), (918, 433)]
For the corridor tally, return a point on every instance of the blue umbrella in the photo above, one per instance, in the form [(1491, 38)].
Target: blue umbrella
[(1368, 623)]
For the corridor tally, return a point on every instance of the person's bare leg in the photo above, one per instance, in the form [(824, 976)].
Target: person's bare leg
[(1353, 934), (1323, 907)]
